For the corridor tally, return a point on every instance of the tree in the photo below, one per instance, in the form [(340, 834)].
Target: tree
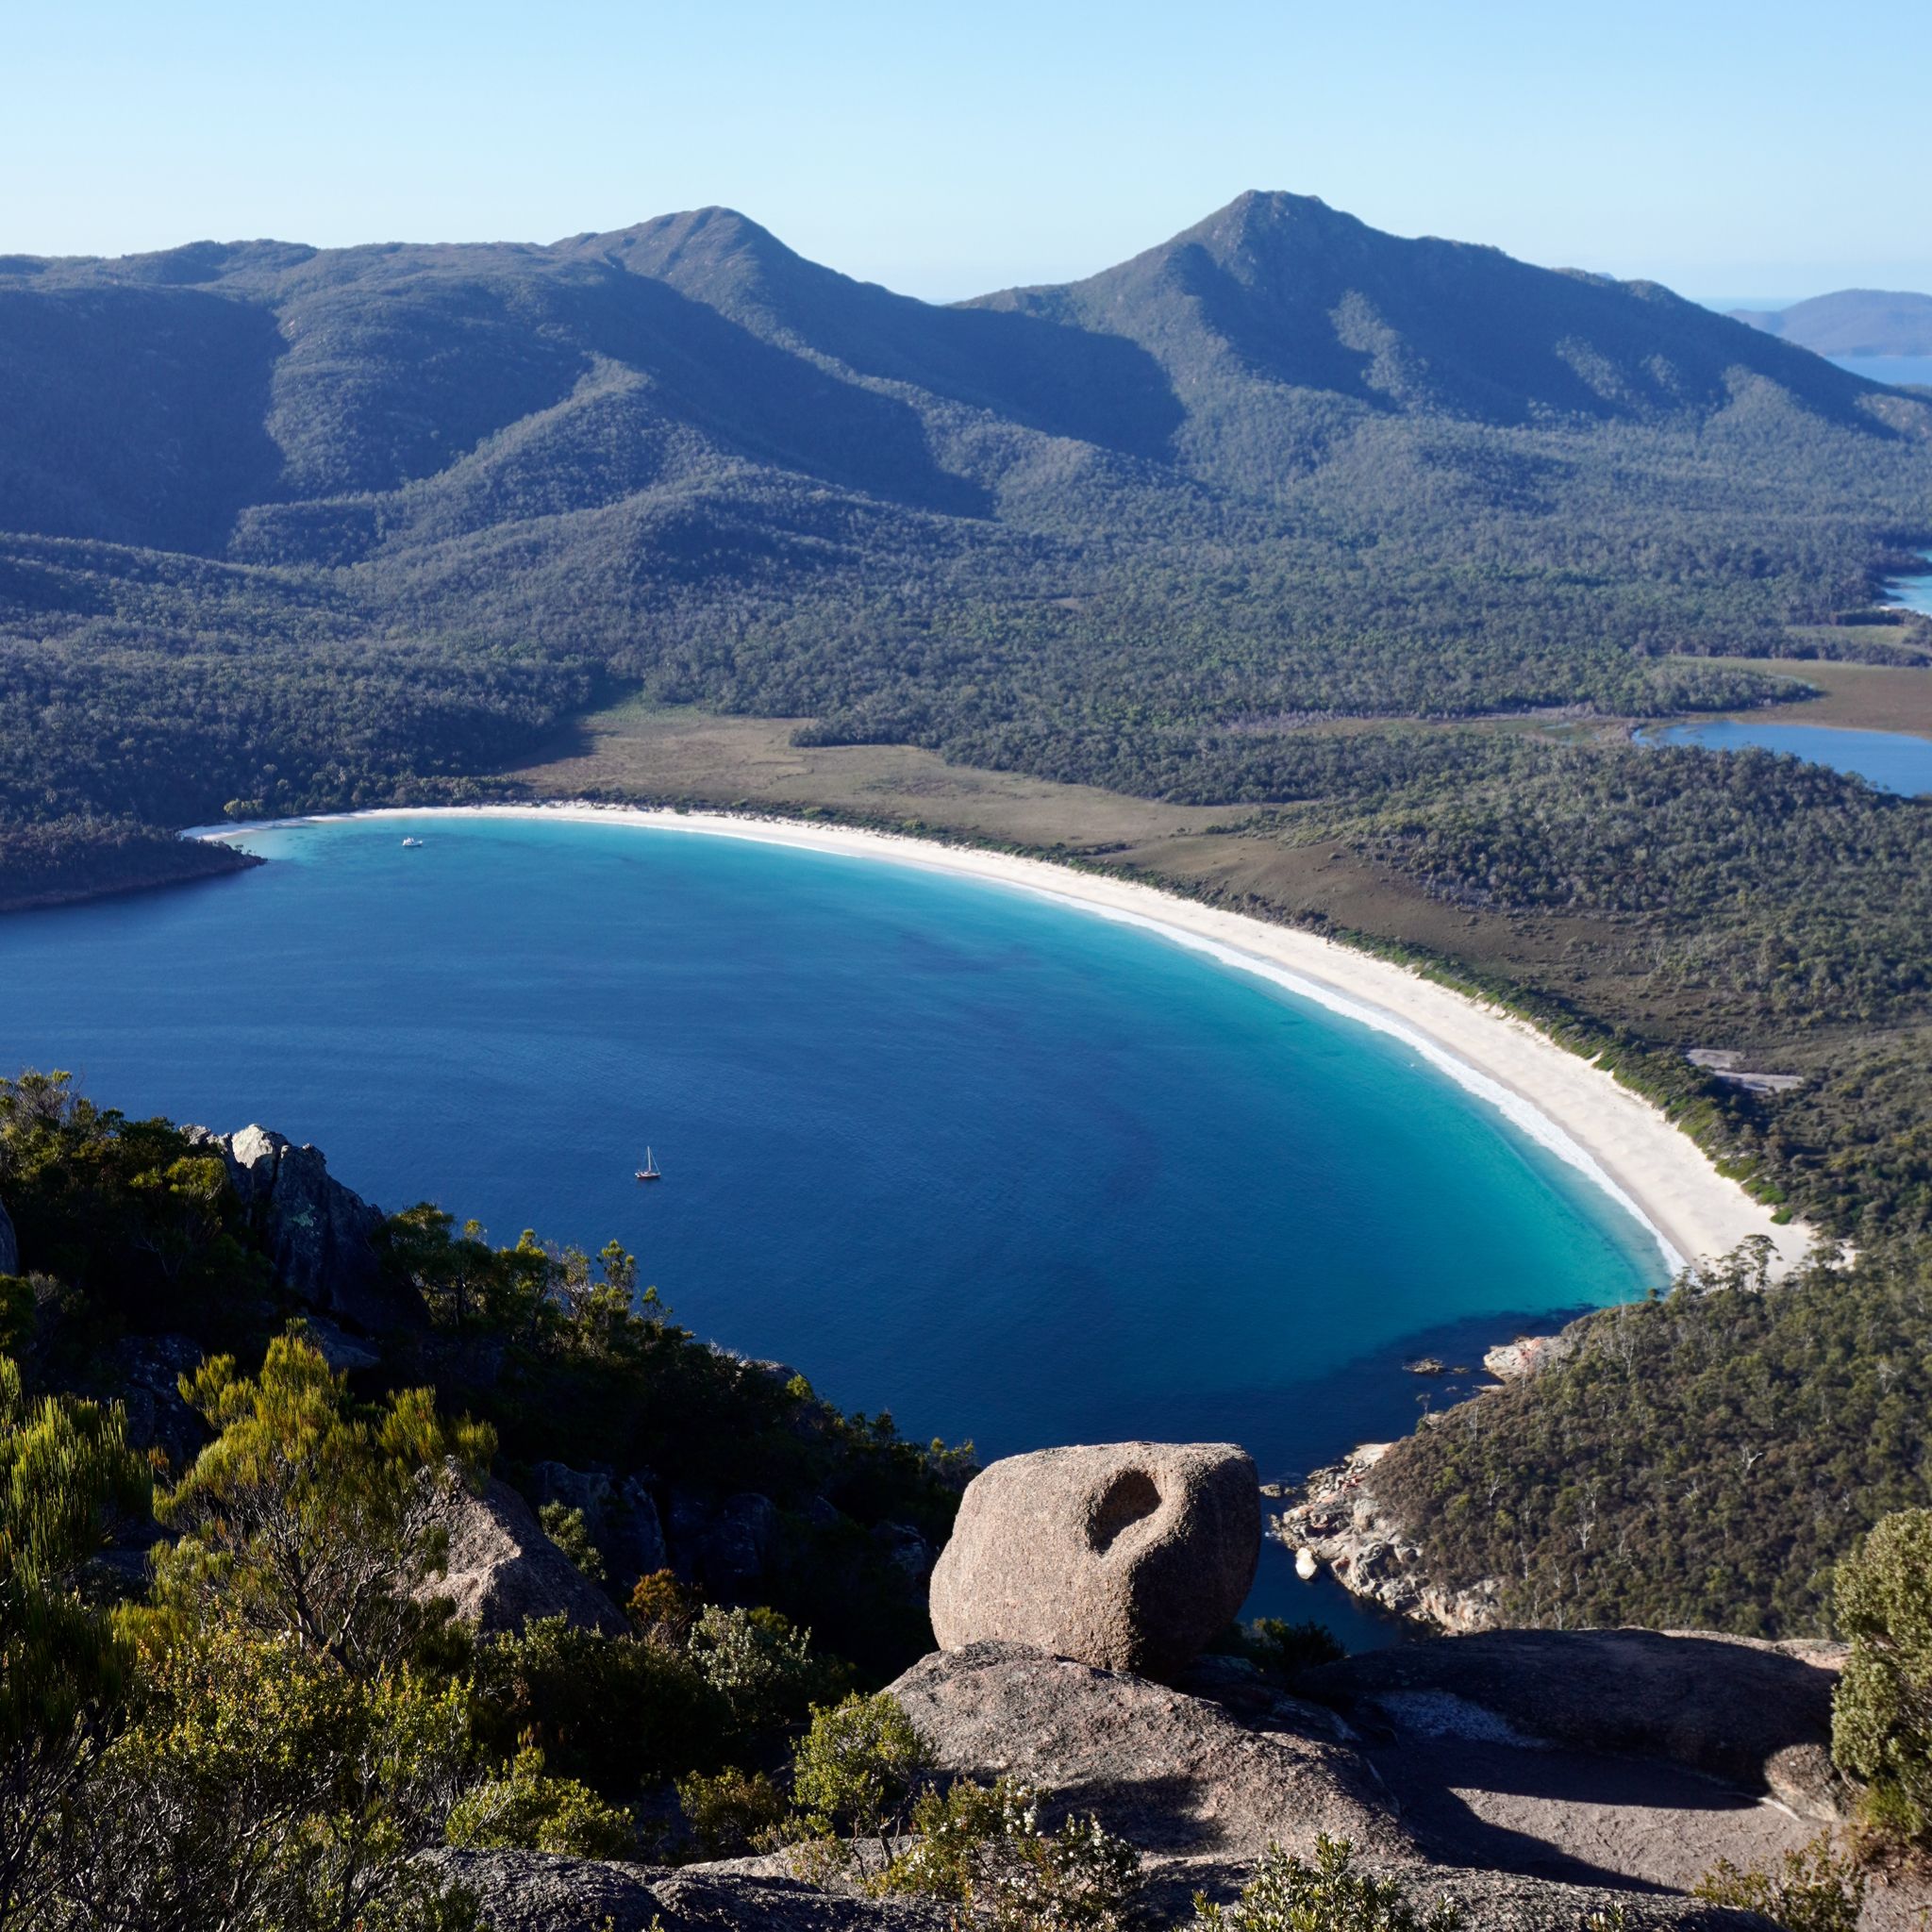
[(311, 1515), (65, 1470)]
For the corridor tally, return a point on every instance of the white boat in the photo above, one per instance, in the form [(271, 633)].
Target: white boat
[(649, 1171), (409, 843)]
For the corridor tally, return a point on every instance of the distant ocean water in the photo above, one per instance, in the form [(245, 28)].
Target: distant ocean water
[(1011, 1171), (1893, 368)]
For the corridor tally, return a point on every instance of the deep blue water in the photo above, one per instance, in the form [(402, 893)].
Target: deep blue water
[(1011, 1170), (1890, 759)]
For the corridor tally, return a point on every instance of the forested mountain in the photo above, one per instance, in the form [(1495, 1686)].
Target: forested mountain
[(285, 526), (1852, 322)]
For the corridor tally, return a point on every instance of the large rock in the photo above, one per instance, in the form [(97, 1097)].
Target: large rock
[(145, 1372), (537, 1892), (9, 1248), (502, 1568), (1204, 1787), (1755, 1714), (1180, 1775), (320, 1235), (1130, 1556)]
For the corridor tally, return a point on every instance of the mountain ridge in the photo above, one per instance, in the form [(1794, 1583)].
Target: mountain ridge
[(1863, 322), (1278, 463)]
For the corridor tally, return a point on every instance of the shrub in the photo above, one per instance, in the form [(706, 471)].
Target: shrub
[(570, 1533), (762, 1665), (260, 1773), (1881, 1725), (65, 1469), (854, 1774), (526, 1809), (734, 1812), (613, 1711), (1330, 1895), (663, 1608), (1289, 1648), (981, 1848), (1815, 1889)]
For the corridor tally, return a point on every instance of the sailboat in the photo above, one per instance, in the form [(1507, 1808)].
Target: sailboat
[(649, 1171)]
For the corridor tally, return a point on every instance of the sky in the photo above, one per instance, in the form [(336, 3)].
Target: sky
[(1732, 151)]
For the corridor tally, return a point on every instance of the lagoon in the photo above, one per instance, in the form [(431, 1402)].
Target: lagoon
[(1013, 1170), (1892, 761)]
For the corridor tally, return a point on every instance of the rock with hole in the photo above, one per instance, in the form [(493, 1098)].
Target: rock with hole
[(1125, 1555)]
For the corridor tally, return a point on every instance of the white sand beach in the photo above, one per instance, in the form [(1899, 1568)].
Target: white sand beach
[(1620, 1141)]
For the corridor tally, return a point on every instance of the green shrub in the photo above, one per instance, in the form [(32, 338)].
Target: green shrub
[(1330, 1895), (763, 1666), (734, 1812), (1881, 1720), (613, 1711), (1288, 1648), (526, 1809), (570, 1533), (664, 1607), (981, 1849), (854, 1776), (65, 1470), (1814, 1890)]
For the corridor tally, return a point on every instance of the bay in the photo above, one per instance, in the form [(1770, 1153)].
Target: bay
[(1013, 1172)]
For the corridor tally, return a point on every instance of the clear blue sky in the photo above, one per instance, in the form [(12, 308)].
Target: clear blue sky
[(1774, 149)]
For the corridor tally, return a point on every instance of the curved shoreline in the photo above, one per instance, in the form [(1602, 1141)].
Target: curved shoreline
[(1618, 1141)]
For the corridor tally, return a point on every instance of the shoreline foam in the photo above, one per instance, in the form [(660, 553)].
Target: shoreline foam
[(1617, 1140)]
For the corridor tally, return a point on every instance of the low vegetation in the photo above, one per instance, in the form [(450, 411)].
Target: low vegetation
[(1330, 1895)]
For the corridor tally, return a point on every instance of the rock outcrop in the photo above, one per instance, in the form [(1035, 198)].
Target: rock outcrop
[(1511, 1361), (724, 1547), (1128, 1556), (1181, 1776), (1338, 1520), (621, 1516), (10, 1247), (319, 1234), (1756, 1715), (145, 1371), (1204, 1776), (536, 1892), (502, 1568)]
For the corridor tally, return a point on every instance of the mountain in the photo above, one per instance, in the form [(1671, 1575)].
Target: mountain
[(293, 406), (298, 524), (1852, 322)]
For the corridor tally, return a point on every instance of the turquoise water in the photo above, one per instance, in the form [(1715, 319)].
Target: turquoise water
[(1011, 1171), (1890, 759)]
